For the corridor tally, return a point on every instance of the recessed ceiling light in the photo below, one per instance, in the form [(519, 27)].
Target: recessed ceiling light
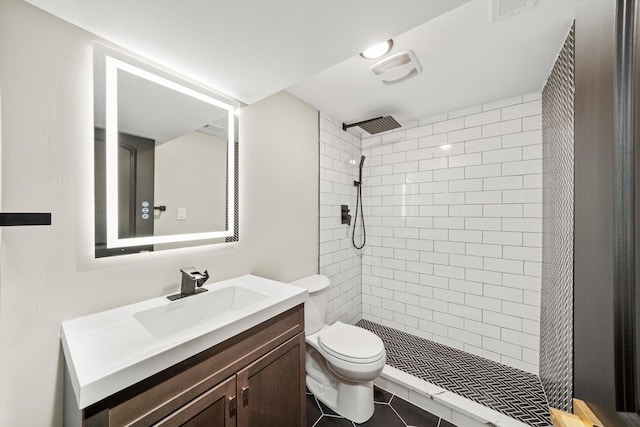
[(378, 50)]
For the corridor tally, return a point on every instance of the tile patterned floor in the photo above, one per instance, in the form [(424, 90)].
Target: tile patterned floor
[(390, 411), (510, 391)]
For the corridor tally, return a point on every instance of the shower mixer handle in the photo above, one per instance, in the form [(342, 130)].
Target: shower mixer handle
[(345, 217)]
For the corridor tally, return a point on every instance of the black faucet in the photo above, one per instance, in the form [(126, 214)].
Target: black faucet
[(191, 278)]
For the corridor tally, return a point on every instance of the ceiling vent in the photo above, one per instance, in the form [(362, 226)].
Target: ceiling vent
[(212, 129), (501, 9), (397, 67)]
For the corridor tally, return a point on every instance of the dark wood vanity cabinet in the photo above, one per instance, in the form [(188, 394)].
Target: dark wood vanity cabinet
[(266, 396), (212, 408), (253, 379)]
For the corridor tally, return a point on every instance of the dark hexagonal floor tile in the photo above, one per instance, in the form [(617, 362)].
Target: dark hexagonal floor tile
[(390, 411), (384, 415), (313, 411), (326, 410), (412, 415), (328, 421), (381, 396)]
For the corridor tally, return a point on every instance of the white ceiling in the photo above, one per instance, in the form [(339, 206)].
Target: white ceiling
[(467, 60), (250, 49), (138, 112), (247, 49)]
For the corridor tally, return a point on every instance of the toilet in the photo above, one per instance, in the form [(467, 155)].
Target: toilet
[(341, 360)]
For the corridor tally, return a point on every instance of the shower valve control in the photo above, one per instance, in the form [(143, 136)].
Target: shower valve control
[(346, 218)]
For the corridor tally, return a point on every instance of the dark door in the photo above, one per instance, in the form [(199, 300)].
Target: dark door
[(607, 272), (135, 186), (136, 189)]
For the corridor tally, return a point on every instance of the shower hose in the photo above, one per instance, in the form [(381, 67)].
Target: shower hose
[(355, 222)]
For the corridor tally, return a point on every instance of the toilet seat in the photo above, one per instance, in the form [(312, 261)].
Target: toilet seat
[(351, 343)]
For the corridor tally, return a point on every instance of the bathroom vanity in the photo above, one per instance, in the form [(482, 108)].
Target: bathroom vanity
[(236, 358)]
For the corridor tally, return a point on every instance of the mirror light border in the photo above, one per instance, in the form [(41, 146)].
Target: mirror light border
[(111, 125)]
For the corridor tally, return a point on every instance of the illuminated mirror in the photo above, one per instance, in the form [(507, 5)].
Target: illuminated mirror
[(165, 160)]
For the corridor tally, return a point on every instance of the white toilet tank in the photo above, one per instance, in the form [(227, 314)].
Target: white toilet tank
[(315, 310)]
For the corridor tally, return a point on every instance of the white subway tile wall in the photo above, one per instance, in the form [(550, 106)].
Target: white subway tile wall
[(339, 160), (453, 210)]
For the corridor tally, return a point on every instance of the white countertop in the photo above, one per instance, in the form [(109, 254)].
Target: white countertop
[(109, 351)]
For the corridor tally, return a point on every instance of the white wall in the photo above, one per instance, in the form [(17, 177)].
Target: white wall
[(453, 205), (48, 274), (190, 172), (339, 260)]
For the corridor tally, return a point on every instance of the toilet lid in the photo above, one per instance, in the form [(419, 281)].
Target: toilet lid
[(314, 283), (349, 342)]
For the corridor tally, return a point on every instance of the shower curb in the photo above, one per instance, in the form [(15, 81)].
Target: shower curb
[(447, 405)]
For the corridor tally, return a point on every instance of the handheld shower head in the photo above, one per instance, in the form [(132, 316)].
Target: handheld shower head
[(361, 165)]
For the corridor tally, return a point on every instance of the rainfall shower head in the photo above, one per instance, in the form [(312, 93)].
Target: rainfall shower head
[(377, 125)]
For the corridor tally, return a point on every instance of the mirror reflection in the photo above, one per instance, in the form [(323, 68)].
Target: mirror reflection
[(164, 163)]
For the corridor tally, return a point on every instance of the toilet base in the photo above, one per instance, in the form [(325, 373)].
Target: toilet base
[(353, 401)]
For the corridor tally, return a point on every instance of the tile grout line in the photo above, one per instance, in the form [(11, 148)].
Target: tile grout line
[(399, 416), (353, 423)]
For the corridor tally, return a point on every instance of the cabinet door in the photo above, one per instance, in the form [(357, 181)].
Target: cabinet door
[(214, 408), (271, 390)]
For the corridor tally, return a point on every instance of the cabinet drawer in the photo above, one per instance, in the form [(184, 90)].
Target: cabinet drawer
[(153, 399), (213, 408)]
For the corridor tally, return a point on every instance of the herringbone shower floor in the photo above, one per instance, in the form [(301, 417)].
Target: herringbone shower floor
[(513, 392)]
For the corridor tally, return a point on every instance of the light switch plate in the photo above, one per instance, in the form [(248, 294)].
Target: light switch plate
[(182, 214)]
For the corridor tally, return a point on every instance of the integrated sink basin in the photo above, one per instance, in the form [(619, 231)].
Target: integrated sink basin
[(109, 351), (182, 315)]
